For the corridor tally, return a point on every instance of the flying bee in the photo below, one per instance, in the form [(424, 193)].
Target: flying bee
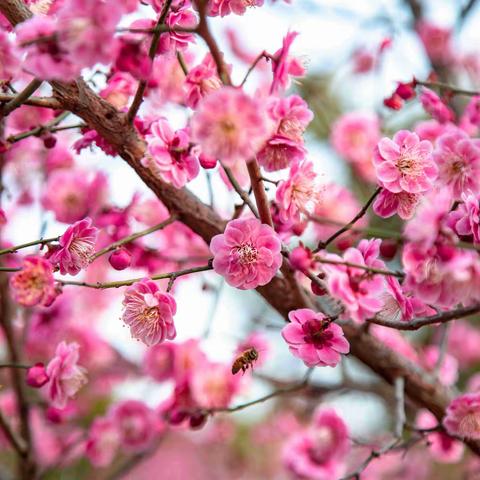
[(245, 360)]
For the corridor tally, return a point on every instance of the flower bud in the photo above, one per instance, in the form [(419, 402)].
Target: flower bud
[(120, 259), (316, 288), (197, 420), (37, 376), (301, 258), (388, 249), (207, 162), (49, 141), (394, 102)]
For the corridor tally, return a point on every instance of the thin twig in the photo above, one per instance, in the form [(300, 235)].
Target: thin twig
[(448, 88), (21, 97), (42, 241), (379, 271), (252, 67), (242, 193), (45, 102)]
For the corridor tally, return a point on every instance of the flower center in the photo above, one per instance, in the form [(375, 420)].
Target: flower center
[(316, 333), (470, 424), (247, 254), (409, 165)]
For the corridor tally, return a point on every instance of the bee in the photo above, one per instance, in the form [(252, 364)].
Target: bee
[(245, 360)]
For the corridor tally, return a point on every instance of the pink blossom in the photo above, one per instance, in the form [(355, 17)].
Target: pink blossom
[(58, 157), (458, 160), (103, 441), (319, 452), (76, 246), (45, 59), (358, 290), (465, 220), (169, 155), (229, 125), (201, 80), (66, 377), (120, 259), (291, 116), (396, 305), (213, 385), (435, 106), (431, 130), (136, 423), (299, 193), (462, 418), (472, 111), (158, 362), (247, 254), (301, 258), (149, 312), (337, 205), (187, 356), (133, 58), (37, 376), (405, 163), (403, 203), (314, 339), (34, 283), (443, 448), (225, 7), (284, 65), (172, 41), (463, 340), (448, 371), (437, 41), (9, 58), (73, 194), (394, 340), (120, 87)]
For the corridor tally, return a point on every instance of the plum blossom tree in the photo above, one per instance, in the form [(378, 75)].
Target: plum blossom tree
[(345, 266)]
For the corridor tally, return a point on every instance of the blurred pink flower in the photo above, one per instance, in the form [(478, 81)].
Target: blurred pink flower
[(442, 447), (396, 305), (169, 156), (405, 163), (66, 377), (299, 193), (448, 371), (458, 160), (9, 57), (394, 340), (75, 247), (463, 416), (172, 40), (247, 254), (314, 339), (37, 376), (136, 423), (285, 66), (319, 452), (465, 220), (158, 361), (225, 7), (103, 441), (149, 312), (435, 106), (229, 125), (201, 80), (34, 284), (463, 340), (437, 41)]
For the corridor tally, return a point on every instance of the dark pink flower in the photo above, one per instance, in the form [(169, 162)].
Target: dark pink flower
[(403, 203), (435, 106), (120, 259), (169, 156), (37, 376), (301, 258), (34, 284), (201, 80), (319, 452), (136, 423), (76, 246), (284, 65), (149, 312), (405, 163), (229, 125), (247, 254), (103, 441), (66, 377), (463, 416), (313, 338), (458, 160), (133, 58)]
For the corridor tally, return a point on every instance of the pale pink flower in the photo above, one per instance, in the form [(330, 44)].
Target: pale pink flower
[(213, 385), (66, 377), (394, 340), (442, 447), (103, 441), (149, 312), (285, 66), (229, 125), (318, 452), (299, 193), (291, 116), (201, 80), (169, 156), (9, 58), (159, 360), (74, 194), (358, 290), (405, 163), (174, 40), (225, 7), (34, 283), (435, 106), (75, 248), (136, 423), (463, 341), (247, 254), (465, 220), (448, 372), (313, 338), (436, 40), (396, 305), (402, 203), (45, 57), (339, 205), (462, 418), (458, 160)]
